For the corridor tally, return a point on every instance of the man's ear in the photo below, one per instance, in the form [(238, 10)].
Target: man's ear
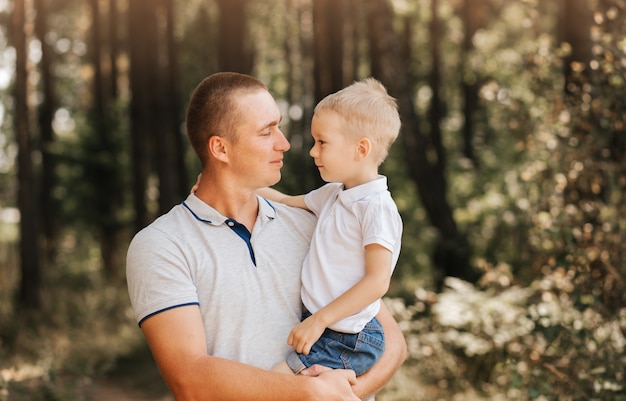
[(363, 148), (217, 147)]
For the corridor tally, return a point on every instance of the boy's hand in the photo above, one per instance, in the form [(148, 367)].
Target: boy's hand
[(305, 334), (195, 186)]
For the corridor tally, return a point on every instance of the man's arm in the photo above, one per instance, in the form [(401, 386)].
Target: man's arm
[(177, 340), (372, 381)]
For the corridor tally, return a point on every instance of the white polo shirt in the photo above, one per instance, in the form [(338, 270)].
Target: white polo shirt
[(348, 220), (248, 289)]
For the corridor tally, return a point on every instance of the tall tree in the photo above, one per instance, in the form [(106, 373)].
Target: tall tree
[(46, 111), (328, 24), (169, 163), (574, 23), (30, 280), (179, 170), (143, 84), (390, 58), (300, 51), (235, 50), (472, 14), (105, 192), (114, 47)]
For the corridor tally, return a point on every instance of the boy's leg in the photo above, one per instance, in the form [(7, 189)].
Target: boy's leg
[(282, 368)]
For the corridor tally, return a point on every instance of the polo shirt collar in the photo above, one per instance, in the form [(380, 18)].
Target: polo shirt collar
[(207, 214), (352, 195)]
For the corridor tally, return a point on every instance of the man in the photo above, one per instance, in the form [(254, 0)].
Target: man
[(215, 282)]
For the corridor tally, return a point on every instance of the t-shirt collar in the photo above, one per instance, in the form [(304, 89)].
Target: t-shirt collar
[(206, 213), (354, 194)]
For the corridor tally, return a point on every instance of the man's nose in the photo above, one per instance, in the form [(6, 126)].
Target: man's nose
[(282, 144)]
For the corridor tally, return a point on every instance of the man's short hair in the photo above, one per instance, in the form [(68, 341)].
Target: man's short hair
[(213, 108)]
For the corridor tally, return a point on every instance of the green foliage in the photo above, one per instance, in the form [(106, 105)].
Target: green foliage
[(513, 342)]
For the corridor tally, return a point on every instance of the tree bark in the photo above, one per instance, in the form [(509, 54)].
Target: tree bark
[(114, 47), (169, 161), (49, 203), (328, 26), (30, 279), (173, 95), (235, 52), (105, 185), (472, 14), (142, 84)]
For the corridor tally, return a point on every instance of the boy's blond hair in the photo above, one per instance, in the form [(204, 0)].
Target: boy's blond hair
[(368, 111)]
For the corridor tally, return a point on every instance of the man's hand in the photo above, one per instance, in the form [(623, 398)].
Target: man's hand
[(333, 384), (305, 334), (315, 370), (195, 186)]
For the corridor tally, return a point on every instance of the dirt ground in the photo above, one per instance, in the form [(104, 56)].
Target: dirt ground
[(133, 378)]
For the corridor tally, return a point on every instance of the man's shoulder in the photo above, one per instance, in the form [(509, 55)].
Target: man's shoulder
[(162, 226)]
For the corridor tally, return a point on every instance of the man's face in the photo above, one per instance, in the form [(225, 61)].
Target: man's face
[(257, 154)]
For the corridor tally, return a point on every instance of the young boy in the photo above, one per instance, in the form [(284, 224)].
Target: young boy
[(357, 239)]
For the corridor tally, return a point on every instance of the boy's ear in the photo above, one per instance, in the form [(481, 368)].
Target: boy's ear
[(363, 148), (217, 147)]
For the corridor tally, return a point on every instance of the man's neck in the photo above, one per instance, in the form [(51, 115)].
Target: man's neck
[(235, 203)]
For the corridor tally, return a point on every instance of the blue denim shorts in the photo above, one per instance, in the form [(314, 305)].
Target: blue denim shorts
[(358, 351)]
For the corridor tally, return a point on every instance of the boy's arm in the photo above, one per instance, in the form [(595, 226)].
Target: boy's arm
[(277, 196), (375, 379), (371, 287)]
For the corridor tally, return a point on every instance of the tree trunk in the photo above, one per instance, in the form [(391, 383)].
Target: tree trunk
[(299, 48), (574, 28), (235, 51), (173, 106), (46, 111), (142, 83), (435, 112), (472, 14), (328, 61), (328, 26), (168, 145), (105, 185), (114, 47), (30, 283), (390, 56)]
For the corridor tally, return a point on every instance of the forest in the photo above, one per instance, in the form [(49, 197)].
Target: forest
[(509, 173)]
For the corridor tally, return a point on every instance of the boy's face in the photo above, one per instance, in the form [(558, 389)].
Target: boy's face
[(333, 150)]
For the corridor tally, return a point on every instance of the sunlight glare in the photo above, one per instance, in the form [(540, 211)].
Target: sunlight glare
[(5, 78)]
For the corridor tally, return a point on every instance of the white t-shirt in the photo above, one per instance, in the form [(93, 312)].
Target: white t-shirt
[(191, 256), (348, 220)]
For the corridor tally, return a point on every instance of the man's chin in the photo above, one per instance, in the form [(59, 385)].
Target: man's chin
[(274, 181)]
